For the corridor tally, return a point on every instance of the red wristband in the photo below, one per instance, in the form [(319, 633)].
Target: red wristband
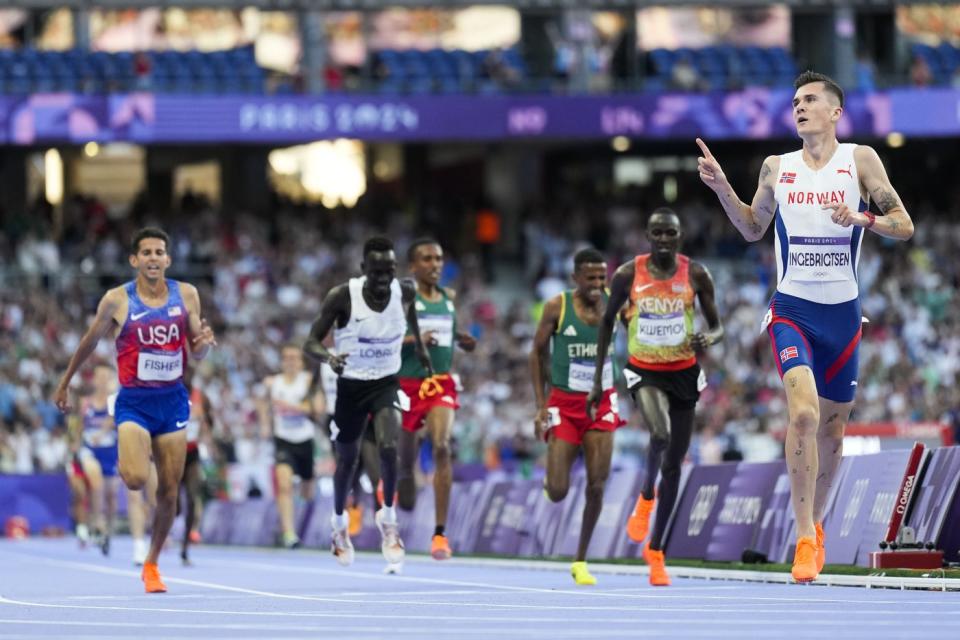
[(872, 219)]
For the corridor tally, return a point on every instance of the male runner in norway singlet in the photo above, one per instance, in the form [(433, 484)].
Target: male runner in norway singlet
[(370, 316), (155, 321), (433, 401), (98, 455), (662, 375), (819, 198), (564, 355), (289, 408)]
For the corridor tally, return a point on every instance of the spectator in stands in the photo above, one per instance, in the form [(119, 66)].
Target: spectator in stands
[(684, 76), (142, 69), (920, 74), (865, 73)]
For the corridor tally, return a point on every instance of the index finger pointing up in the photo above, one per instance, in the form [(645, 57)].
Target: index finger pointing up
[(704, 149)]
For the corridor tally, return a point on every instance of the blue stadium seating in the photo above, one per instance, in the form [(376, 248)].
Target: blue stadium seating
[(442, 71), (723, 67), (943, 60), (30, 70)]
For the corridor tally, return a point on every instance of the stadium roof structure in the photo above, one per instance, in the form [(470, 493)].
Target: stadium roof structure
[(373, 5)]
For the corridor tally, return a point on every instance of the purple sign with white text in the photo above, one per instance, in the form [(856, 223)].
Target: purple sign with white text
[(741, 508), (698, 509), (858, 518), (755, 113), (935, 497)]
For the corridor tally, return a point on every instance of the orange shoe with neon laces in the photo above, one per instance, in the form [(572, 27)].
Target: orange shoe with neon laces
[(805, 560), (151, 578), (658, 567), (440, 548), (821, 547), (638, 526)]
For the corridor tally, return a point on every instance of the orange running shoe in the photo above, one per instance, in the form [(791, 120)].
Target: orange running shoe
[(658, 567), (195, 537), (151, 578), (821, 548), (638, 526), (805, 560), (440, 548), (355, 514)]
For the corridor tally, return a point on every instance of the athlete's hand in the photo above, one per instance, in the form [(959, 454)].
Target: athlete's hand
[(61, 398), (429, 338), (699, 342), (593, 402), (466, 342), (338, 362), (541, 422), (710, 172), (205, 338), (845, 216)]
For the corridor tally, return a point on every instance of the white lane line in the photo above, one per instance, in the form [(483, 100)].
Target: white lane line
[(870, 617), (659, 596)]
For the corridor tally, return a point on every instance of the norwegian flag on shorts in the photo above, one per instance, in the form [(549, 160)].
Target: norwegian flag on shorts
[(788, 177), (789, 352)]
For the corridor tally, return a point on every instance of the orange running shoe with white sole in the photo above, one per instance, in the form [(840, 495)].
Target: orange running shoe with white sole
[(821, 547), (355, 515), (805, 560), (440, 548), (638, 526), (151, 578), (658, 566)]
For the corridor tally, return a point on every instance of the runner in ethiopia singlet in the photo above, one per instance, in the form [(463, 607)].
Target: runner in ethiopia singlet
[(572, 366), (151, 356), (814, 317)]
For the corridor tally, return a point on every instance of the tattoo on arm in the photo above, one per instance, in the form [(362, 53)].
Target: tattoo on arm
[(885, 200), (764, 171)]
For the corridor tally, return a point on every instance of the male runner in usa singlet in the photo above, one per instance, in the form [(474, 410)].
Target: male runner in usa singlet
[(818, 197), (155, 322)]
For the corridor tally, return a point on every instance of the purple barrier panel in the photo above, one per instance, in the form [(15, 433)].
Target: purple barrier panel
[(617, 499), (697, 510), (43, 499), (216, 522), (858, 518), (545, 519), (488, 523), (625, 547), (774, 529), (416, 527), (571, 516), (251, 523), (935, 495), (467, 513), (316, 533), (751, 490), (510, 528), (949, 540)]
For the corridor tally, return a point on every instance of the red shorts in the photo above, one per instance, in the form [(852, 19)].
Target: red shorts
[(420, 407), (569, 419)]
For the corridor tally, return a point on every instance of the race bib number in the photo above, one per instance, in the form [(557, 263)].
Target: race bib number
[(441, 326), (580, 375), (159, 367), (819, 259), (662, 331)]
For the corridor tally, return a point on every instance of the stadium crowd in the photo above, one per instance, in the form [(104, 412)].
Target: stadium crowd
[(262, 279)]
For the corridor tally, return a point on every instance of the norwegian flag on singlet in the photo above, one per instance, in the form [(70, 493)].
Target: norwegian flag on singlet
[(788, 177)]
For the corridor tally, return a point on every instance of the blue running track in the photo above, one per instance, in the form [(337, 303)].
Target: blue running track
[(52, 589)]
